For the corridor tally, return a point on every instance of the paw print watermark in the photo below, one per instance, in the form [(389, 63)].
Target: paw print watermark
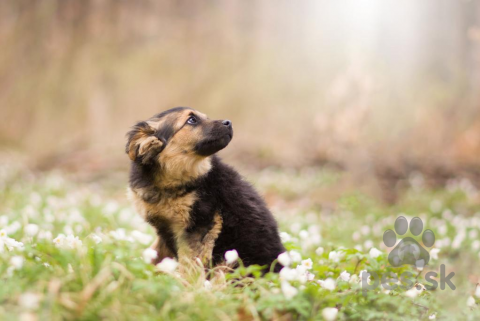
[(408, 250)]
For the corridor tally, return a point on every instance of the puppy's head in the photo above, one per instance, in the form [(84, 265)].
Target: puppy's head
[(177, 138)]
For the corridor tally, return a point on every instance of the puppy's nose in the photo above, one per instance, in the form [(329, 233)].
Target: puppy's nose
[(227, 123)]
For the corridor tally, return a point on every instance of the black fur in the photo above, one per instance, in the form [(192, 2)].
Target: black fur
[(248, 225)]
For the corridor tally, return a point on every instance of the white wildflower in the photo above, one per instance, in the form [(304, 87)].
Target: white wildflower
[(470, 302), (288, 274), (477, 292), (328, 284), (303, 234), (208, 285), (284, 259), (12, 244), (368, 244), (413, 292), (45, 235), (434, 253), (168, 265), (121, 235), (31, 229), (17, 262), (231, 256), (295, 256), (374, 253), (353, 279), (335, 256), (319, 251), (330, 314), (308, 264), (97, 239), (288, 290), (432, 316), (345, 276), (149, 254), (70, 241), (285, 237), (143, 238)]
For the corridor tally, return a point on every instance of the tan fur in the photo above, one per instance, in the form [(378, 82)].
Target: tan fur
[(179, 161), (139, 138), (201, 246)]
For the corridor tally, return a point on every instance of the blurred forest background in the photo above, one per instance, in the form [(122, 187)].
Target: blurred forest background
[(377, 88)]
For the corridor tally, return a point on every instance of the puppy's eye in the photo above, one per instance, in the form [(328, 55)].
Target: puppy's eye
[(192, 120)]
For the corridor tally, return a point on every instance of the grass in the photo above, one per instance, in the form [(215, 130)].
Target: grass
[(103, 275)]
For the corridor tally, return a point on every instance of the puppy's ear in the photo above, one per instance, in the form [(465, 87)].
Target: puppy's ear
[(142, 144)]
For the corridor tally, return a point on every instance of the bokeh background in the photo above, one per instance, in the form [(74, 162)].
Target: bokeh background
[(386, 91)]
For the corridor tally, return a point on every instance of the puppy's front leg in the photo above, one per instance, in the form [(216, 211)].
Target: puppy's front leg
[(199, 245), (162, 249)]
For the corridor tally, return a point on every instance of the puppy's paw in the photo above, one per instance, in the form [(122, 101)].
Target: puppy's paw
[(149, 144), (149, 148)]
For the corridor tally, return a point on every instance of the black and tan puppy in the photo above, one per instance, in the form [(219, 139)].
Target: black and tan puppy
[(199, 206)]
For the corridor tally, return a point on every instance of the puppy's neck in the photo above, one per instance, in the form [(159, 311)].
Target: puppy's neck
[(182, 170)]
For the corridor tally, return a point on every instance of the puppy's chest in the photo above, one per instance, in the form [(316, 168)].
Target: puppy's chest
[(174, 211)]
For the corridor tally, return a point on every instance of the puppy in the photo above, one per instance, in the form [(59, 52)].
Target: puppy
[(199, 207)]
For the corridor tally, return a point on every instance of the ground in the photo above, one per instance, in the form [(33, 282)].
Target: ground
[(72, 249)]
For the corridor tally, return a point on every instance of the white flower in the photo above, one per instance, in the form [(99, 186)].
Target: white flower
[(285, 237), (301, 270), (97, 239), (29, 300), (432, 316), (149, 254), (470, 302), (330, 314), (328, 284), (413, 292), (45, 235), (17, 262), (288, 290), (368, 244), (303, 234), (208, 285), (288, 274), (335, 256), (111, 207), (143, 238), (434, 253), (284, 259), (319, 251), (310, 276), (12, 244), (374, 253), (31, 229), (3, 234), (295, 256), (168, 265), (70, 241), (354, 279), (308, 264), (231, 256), (120, 235), (477, 292), (345, 276)]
